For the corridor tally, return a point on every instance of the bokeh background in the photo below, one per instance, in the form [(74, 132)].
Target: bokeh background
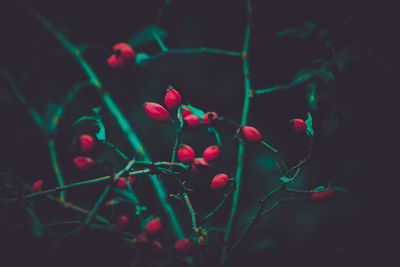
[(355, 120)]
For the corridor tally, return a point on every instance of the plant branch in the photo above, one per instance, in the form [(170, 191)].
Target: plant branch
[(241, 149), (123, 123), (221, 203), (21, 98), (65, 187), (201, 50)]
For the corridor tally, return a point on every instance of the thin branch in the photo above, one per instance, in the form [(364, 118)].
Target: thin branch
[(65, 187), (201, 50), (256, 219), (274, 89), (120, 118), (221, 203), (241, 150), (21, 98)]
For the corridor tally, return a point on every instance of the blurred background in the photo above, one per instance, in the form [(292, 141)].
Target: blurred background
[(353, 104)]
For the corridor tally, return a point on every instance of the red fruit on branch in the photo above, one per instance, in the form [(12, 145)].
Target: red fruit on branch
[(172, 98), (122, 222), (36, 187), (156, 112), (192, 122), (122, 182), (122, 55), (219, 181), (185, 247), (201, 166), (211, 153), (154, 247), (322, 196), (84, 163), (140, 241), (185, 112), (153, 227), (186, 154), (86, 143), (210, 117), (298, 125), (250, 134)]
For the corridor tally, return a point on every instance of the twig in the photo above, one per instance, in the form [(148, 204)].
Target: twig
[(78, 209), (221, 203), (120, 118), (195, 51), (241, 150), (21, 98), (256, 219), (65, 187)]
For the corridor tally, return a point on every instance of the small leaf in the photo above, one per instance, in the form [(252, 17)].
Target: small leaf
[(319, 189), (285, 180), (101, 134), (196, 111), (310, 130), (37, 228), (146, 35), (141, 59), (180, 118)]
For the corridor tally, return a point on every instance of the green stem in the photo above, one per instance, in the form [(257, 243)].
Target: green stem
[(201, 50), (56, 166), (241, 150), (119, 117), (65, 187)]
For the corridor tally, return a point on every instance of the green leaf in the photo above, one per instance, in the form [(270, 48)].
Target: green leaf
[(179, 114), (101, 134), (37, 228), (319, 189), (285, 180), (141, 59), (196, 111), (310, 130), (146, 35)]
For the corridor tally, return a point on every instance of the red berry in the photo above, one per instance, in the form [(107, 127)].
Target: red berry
[(219, 181), (172, 98), (84, 163), (210, 117), (298, 125), (192, 122), (153, 227), (211, 153), (322, 196), (122, 55), (36, 187), (140, 241), (185, 247), (86, 143), (155, 247), (122, 222), (156, 112), (122, 182), (185, 112), (201, 166), (250, 134), (186, 154)]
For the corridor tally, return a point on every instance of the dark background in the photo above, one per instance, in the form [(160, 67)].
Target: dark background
[(353, 145)]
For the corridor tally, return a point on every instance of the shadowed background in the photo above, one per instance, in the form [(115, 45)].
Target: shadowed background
[(352, 146)]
